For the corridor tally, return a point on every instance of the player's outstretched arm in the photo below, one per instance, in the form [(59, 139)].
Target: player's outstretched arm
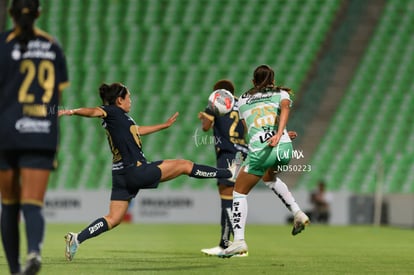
[(86, 112), (145, 130)]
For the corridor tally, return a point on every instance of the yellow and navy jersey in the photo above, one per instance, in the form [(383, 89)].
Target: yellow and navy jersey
[(123, 137), (30, 84), (228, 131)]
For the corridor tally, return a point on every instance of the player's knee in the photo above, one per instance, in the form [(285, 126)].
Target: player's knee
[(186, 166), (113, 221)]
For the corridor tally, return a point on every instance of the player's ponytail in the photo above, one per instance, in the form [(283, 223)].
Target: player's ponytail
[(24, 13), (109, 93), (263, 76)]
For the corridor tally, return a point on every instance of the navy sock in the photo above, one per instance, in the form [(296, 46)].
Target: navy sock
[(94, 229), (203, 171), (35, 226), (226, 228), (9, 224)]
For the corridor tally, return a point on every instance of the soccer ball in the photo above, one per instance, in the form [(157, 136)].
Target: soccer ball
[(221, 102)]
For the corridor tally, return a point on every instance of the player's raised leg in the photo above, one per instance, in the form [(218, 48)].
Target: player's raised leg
[(301, 220), (172, 168)]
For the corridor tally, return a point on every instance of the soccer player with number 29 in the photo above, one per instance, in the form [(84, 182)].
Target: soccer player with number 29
[(32, 76)]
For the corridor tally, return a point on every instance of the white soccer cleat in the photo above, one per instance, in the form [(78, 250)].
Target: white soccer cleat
[(72, 245), (236, 249), (300, 221), (215, 251), (235, 166), (33, 264)]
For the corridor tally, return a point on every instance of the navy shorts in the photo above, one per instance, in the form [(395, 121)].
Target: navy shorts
[(127, 183), (37, 159)]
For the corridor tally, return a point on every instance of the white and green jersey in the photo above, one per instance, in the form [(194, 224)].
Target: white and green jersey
[(260, 111)]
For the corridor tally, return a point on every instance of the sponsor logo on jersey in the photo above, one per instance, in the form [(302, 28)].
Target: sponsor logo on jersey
[(250, 99), (35, 49), (266, 136), (118, 165), (30, 125)]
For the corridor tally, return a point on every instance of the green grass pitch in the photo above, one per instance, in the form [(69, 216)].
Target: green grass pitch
[(175, 249)]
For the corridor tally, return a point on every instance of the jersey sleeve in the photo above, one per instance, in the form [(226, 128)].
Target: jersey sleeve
[(108, 110), (238, 106), (285, 95), (209, 114), (63, 79)]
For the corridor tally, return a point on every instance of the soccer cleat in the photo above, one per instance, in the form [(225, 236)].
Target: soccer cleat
[(33, 264), (299, 222), (236, 249), (215, 251), (71, 245), (235, 166), (245, 254)]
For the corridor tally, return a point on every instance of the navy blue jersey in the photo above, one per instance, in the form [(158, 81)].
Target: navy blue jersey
[(228, 131), (123, 137), (30, 83)]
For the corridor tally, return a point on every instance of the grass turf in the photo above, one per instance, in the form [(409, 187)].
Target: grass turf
[(175, 249)]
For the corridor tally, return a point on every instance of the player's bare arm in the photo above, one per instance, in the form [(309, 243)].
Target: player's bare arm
[(284, 115), (86, 112), (206, 123), (145, 130)]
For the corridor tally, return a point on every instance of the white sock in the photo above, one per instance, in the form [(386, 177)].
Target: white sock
[(239, 215), (282, 191)]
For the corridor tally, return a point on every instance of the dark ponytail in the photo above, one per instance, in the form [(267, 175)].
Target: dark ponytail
[(24, 13), (109, 93), (263, 77)]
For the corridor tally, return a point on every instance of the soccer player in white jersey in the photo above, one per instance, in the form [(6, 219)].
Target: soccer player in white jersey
[(264, 110)]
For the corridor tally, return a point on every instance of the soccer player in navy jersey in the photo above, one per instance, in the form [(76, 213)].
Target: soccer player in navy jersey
[(229, 140), (32, 75), (131, 171)]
